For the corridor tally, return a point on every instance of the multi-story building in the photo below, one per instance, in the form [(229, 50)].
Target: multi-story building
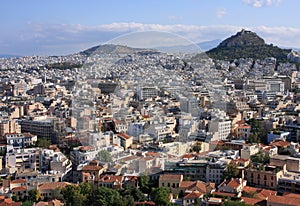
[(292, 163), (53, 129), (289, 182), (214, 171), (22, 159), (42, 127), (264, 176), (147, 92), (9, 126), (242, 130), (125, 140), (249, 150), (20, 140), (83, 154), (190, 169), (221, 127), (171, 181)]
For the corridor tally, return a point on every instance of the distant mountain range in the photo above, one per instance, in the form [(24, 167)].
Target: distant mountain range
[(247, 44), (244, 44), (8, 56), (107, 48), (200, 47)]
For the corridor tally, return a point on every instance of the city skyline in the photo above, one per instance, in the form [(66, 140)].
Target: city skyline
[(59, 28)]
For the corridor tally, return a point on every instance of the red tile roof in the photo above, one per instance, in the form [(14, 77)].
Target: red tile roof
[(91, 168), (283, 200), (226, 194), (18, 181), (193, 195), (22, 188), (292, 195), (251, 201), (111, 179), (52, 185), (86, 148), (152, 154), (124, 136), (197, 185), (280, 143), (187, 156), (10, 202), (165, 177)]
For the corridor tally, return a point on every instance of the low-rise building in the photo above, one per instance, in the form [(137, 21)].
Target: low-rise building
[(264, 176), (20, 139)]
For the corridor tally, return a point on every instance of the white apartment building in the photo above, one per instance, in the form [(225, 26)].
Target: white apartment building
[(20, 140)]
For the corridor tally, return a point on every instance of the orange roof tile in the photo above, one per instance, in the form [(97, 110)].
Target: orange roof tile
[(234, 183), (283, 200), (153, 154), (124, 136), (188, 156), (280, 143), (86, 148), (249, 189), (18, 181), (16, 189), (165, 177), (292, 195), (186, 184), (91, 168), (52, 185), (193, 195), (224, 194), (251, 201), (111, 178), (10, 202)]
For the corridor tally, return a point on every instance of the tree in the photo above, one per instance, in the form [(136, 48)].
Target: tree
[(56, 193), (27, 203), (108, 197), (14, 198), (231, 171), (258, 133), (127, 200), (197, 147), (104, 156), (34, 195), (160, 196), (72, 196), (43, 143), (144, 183), (134, 192), (260, 157)]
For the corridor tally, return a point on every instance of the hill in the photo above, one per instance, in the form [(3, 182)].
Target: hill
[(111, 48), (247, 44)]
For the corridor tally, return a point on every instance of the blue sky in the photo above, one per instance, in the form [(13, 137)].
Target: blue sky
[(35, 27)]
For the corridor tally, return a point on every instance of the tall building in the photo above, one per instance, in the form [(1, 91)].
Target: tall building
[(9, 126), (147, 92)]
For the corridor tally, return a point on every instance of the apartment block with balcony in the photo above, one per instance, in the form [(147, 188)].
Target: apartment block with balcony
[(264, 176)]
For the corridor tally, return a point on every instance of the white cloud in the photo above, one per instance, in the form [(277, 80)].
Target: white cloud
[(262, 3), (220, 13), (66, 38)]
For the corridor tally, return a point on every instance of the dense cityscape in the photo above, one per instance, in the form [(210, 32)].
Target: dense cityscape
[(126, 126), (150, 103)]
